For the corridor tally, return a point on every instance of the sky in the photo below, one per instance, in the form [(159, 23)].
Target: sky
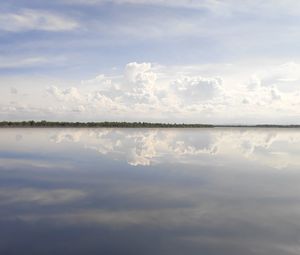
[(204, 61)]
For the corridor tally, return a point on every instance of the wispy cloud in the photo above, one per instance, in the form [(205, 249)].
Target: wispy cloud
[(12, 62), (168, 3), (217, 6), (28, 19)]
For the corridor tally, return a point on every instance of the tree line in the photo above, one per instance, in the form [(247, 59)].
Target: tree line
[(112, 124), (44, 123)]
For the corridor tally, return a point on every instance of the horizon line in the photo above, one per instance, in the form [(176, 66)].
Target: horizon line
[(133, 124)]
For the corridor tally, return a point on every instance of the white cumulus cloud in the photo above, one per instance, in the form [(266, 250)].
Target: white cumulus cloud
[(197, 89)]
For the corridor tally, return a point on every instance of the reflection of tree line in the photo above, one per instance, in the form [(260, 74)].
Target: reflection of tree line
[(99, 124)]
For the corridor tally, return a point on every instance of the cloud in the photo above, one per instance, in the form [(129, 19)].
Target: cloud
[(222, 8), (141, 88), (168, 3), (284, 77), (275, 94), (150, 92), (69, 94), (14, 62), (13, 91), (139, 74), (98, 80), (137, 85), (27, 19), (197, 89)]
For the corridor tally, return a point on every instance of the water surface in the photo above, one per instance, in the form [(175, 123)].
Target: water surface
[(149, 191)]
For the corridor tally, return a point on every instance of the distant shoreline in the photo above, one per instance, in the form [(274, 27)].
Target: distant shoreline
[(110, 124)]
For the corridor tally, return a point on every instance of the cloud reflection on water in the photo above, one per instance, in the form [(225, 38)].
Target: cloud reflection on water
[(150, 191), (153, 146)]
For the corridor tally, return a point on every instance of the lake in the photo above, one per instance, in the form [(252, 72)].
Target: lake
[(149, 191)]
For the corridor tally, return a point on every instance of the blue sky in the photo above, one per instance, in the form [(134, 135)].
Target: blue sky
[(157, 60)]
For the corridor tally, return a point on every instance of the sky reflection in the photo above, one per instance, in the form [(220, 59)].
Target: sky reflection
[(149, 191)]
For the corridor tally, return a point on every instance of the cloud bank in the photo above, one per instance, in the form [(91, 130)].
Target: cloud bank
[(151, 92)]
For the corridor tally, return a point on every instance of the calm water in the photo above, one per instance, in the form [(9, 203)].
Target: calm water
[(149, 191)]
